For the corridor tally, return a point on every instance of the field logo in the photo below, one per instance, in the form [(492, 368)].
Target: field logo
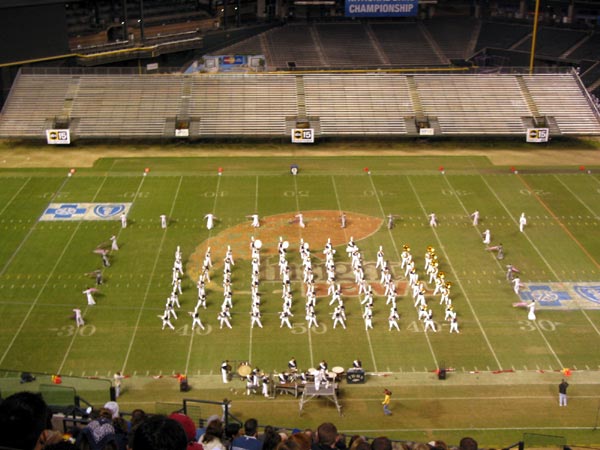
[(85, 211), (545, 295), (108, 211), (591, 293)]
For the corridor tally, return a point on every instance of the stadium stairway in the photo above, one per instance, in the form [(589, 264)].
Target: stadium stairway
[(375, 42), (528, 98)]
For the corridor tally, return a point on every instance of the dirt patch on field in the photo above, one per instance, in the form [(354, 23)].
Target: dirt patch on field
[(320, 225)]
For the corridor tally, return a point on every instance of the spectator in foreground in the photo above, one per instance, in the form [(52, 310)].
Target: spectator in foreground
[(328, 437), (211, 439), (381, 443), (25, 421), (249, 440), (99, 434), (159, 433), (270, 438), (190, 429), (467, 443)]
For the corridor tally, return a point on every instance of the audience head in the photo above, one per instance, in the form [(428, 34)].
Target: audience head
[(186, 423), (356, 441), (468, 443), (232, 430), (214, 430), (381, 443), (327, 434), (159, 433), (251, 427), (23, 417), (438, 445), (296, 441), (270, 438)]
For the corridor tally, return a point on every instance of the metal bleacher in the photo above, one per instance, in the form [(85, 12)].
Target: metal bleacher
[(559, 96), (32, 104), (467, 104), (125, 106), (358, 105), (242, 105), (255, 105)]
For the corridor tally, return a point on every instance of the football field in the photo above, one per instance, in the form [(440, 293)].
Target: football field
[(52, 226)]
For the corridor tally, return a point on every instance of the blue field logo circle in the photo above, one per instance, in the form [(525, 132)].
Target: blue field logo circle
[(591, 293), (108, 211)]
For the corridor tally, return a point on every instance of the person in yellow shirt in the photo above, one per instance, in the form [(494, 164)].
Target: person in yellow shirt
[(386, 402)]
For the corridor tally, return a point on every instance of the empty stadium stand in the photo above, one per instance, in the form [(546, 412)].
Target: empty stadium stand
[(231, 105), (345, 45), (501, 35)]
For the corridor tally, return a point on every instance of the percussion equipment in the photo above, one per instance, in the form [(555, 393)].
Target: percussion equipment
[(257, 243), (312, 371), (285, 244), (355, 376), (337, 370), (244, 370)]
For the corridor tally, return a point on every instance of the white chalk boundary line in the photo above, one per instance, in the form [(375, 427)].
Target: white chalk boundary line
[(556, 277), (214, 209), (12, 199), (56, 264), (371, 350), (398, 257), (489, 344), (150, 278), (68, 351)]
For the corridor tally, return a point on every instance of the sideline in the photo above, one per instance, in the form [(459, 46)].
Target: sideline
[(16, 155)]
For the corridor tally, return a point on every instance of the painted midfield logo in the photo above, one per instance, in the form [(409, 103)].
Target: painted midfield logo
[(85, 211), (591, 293), (545, 295), (106, 211), (65, 211)]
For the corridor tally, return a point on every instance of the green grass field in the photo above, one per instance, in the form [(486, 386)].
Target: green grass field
[(505, 368)]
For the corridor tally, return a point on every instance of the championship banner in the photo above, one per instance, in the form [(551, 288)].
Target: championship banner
[(537, 135), (58, 137), (303, 135), (85, 211), (381, 8)]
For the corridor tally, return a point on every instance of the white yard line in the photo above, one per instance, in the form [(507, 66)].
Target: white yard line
[(435, 360), (576, 196), (456, 274), (371, 350), (150, 278), (68, 351), (457, 279), (310, 345), (56, 264), (515, 221), (595, 215), (256, 197), (31, 230), (214, 208), (12, 199), (557, 278)]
